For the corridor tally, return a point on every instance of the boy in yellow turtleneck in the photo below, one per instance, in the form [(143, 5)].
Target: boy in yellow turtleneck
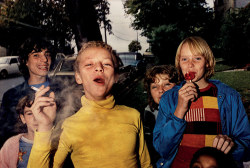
[(101, 133)]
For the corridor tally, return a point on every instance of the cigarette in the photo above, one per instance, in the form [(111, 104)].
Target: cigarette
[(34, 88)]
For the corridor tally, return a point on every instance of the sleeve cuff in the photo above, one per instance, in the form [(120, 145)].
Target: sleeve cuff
[(42, 139), (183, 121)]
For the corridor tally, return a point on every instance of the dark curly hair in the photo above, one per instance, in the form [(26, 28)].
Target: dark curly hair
[(150, 78), (223, 160), (23, 102), (30, 44)]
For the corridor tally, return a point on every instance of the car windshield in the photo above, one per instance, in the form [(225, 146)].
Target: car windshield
[(127, 62), (68, 66), (3, 60)]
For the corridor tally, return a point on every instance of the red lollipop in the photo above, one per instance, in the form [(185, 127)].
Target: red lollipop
[(190, 76)]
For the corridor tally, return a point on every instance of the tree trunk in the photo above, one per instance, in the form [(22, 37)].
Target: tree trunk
[(84, 21)]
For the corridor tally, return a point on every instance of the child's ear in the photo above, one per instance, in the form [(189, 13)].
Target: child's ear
[(207, 65), (116, 77), (78, 78), (23, 119)]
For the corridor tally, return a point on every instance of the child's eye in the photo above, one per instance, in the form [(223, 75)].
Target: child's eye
[(107, 64), (198, 58), (47, 55), (183, 59), (154, 87), (29, 113), (88, 64)]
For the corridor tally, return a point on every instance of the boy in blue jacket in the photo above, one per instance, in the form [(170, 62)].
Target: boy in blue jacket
[(199, 112)]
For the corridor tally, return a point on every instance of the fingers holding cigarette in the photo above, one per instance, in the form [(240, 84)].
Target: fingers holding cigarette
[(44, 108)]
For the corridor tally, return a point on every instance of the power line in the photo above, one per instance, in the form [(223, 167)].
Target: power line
[(127, 39), (121, 38)]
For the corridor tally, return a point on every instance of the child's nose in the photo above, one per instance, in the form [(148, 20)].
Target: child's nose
[(99, 67), (161, 89), (190, 63), (43, 57), (34, 119)]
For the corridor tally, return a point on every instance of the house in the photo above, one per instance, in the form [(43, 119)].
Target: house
[(221, 6)]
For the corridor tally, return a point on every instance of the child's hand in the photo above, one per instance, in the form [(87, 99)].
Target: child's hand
[(186, 94), (223, 143), (44, 109)]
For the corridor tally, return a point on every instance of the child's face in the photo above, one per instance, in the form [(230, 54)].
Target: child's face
[(160, 86), (192, 63), (96, 73), (29, 119), (39, 63), (205, 162)]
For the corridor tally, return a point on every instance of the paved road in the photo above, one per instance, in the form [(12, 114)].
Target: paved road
[(8, 83)]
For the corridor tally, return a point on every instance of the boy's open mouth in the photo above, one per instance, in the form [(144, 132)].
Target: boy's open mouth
[(99, 80)]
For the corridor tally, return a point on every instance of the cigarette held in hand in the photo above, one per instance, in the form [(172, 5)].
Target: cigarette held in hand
[(34, 88)]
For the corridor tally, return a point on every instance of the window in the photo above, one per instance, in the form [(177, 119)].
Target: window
[(13, 61), (68, 66)]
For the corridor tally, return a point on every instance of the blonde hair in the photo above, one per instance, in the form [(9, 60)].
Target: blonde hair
[(98, 44), (198, 46)]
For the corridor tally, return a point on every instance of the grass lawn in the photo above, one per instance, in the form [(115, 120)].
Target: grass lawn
[(222, 67), (240, 81)]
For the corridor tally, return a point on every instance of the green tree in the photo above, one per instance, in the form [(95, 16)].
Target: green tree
[(102, 8), (59, 20), (166, 22), (235, 32), (134, 46), (24, 18)]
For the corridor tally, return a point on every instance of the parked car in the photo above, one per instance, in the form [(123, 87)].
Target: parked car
[(64, 69), (134, 60), (148, 56), (9, 65)]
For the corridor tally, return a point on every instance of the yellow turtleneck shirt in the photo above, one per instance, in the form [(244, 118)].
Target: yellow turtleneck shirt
[(100, 135)]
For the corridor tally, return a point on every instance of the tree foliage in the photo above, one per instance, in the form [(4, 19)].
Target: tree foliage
[(235, 33), (134, 46), (166, 22), (24, 18), (102, 8), (20, 19)]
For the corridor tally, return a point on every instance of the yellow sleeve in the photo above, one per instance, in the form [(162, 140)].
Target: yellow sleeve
[(41, 151), (39, 155), (143, 149), (62, 150)]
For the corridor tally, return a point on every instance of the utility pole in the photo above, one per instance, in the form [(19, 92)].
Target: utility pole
[(137, 36), (104, 20)]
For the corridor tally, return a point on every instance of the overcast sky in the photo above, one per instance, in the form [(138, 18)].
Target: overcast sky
[(121, 27), (123, 32)]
